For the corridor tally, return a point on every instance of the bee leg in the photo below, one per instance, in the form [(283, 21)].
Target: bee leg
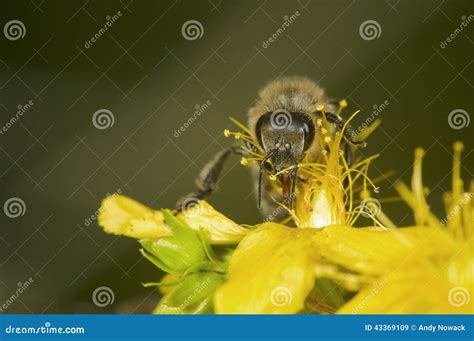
[(340, 122), (207, 180)]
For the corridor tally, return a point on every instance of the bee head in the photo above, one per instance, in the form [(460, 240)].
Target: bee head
[(284, 137)]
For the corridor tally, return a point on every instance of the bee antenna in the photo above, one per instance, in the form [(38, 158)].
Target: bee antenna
[(260, 176)]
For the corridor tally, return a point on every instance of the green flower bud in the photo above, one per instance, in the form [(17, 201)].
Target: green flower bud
[(171, 255)]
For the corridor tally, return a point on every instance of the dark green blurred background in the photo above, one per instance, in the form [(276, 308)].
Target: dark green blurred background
[(151, 78)]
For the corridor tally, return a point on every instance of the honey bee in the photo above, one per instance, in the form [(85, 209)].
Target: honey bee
[(283, 121)]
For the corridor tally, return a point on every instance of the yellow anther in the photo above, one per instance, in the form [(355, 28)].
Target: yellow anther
[(324, 131), (226, 132), (458, 146), (320, 107), (244, 161), (237, 136), (327, 139), (272, 177), (419, 152), (343, 103), (319, 122)]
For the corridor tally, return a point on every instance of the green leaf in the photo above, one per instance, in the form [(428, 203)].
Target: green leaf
[(156, 261)]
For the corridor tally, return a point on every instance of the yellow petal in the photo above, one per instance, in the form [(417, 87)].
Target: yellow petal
[(219, 228), (414, 290), (121, 215), (373, 251), (271, 272)]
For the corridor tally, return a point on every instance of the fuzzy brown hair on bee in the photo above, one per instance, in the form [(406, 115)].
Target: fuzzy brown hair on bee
[(283, 121)]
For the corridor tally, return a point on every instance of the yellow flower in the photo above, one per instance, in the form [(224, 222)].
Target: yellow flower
[(420, 269), (425, 268), (435, 272)]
